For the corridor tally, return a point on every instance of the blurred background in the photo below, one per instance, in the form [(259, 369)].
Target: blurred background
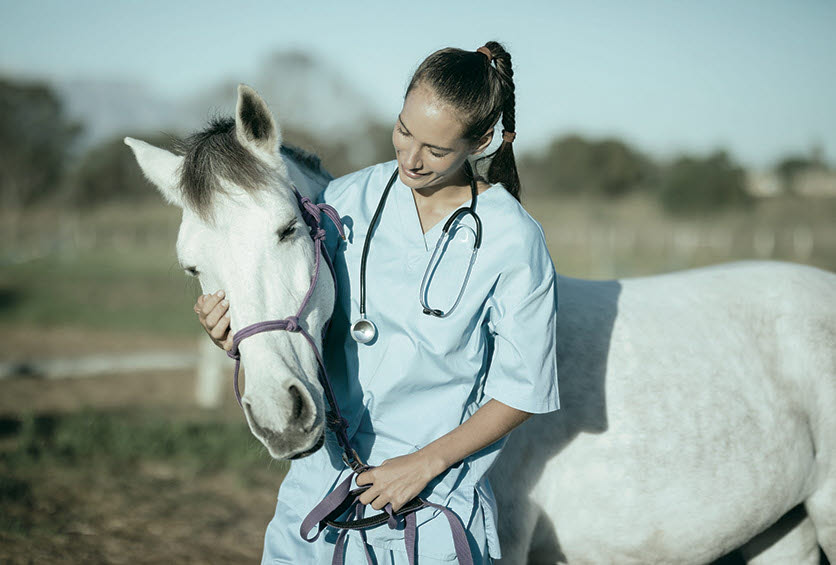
[(652, 136)]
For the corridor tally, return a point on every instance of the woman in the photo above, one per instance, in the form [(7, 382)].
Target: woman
[(429, 398)]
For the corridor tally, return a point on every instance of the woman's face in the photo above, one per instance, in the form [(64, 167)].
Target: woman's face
[(428, 141)]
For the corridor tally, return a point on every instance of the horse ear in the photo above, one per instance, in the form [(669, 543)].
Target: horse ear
[(254, 124), (161, 167)]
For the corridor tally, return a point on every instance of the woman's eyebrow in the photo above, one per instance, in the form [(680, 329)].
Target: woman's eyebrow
[(403, 125)]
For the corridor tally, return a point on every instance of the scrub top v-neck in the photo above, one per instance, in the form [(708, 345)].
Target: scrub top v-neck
[(423, 376), (408, 210)]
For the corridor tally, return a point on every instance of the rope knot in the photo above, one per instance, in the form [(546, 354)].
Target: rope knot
[(234, 353), (292, 324), (318, 234), (335, 421), (311, 209)]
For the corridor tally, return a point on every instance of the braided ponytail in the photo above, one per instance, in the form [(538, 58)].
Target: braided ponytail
[(480, 84), (503, 167)]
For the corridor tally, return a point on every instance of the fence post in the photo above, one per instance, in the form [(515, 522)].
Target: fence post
[(210, 374)]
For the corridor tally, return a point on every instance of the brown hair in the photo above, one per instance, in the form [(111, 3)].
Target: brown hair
[(482, 89)]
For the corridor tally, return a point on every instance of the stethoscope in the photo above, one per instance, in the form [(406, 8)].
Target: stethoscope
[(363, 330)]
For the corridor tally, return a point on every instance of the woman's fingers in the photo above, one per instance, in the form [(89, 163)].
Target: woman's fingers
[(221, 328), (213, 314), (209, 303), (369, 496), (379, 502), (365, 478), (216, 315)]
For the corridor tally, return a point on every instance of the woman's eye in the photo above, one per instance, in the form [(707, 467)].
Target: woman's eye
[(401, 131), (192, 271), (287, 232), (438, 155)]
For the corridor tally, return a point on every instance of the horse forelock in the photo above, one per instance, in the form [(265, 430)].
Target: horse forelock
[(215, 154)]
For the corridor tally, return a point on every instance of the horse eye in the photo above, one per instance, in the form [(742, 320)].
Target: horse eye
[(288, 231), (192, 271)]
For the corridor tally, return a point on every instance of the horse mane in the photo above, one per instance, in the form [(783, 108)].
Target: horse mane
[(212, 154), (310, 161)]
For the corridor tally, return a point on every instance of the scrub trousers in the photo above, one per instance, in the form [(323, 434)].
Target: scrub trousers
[(284, 546)]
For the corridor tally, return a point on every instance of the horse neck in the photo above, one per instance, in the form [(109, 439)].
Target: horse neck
[(307, 183)]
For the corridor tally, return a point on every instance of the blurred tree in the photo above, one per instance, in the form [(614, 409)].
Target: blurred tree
[(36, 138), (693, 185), (108, 173), (341, 156), (573, 165), (789, 168)]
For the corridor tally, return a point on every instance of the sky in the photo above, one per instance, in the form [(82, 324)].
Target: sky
[(755, 77)]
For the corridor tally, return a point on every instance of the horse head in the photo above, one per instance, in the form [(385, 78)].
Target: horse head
[(242, 231)]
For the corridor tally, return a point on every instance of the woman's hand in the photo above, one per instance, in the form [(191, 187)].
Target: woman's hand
[(397, 481), (213, 313), (401, 479)]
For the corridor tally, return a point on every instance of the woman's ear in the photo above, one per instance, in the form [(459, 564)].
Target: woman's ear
[(483, 142)]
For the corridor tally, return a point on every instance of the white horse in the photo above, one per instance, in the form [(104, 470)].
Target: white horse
[(698, 408)]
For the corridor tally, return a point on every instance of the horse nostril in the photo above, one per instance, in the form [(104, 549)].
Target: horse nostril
[(298, 403)]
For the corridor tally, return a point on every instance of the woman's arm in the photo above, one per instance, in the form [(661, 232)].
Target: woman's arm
[(401, 479)]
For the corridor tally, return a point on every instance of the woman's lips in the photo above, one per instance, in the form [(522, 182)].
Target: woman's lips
[(412, 175)]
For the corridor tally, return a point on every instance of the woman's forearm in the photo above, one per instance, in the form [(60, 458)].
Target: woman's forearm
[(400, 479), (488, 424)]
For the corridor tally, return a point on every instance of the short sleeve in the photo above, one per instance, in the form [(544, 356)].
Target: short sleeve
[(523, 325)]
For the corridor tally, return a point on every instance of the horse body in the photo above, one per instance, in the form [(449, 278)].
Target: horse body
[(697, 408)]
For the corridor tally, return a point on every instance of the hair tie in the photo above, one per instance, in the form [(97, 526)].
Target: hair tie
[(509, 136), (486, 52)]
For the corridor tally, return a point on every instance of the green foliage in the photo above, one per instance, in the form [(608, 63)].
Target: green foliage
[(340, 156), (102, 289), (789, 168), (693, 185), (109, 173), (79, 438), (35, 140), (574, 165)]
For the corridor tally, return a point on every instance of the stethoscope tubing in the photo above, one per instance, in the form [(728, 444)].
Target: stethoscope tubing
[(445, 233)]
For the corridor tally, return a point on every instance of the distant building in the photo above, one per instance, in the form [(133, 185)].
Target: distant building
[(815, 183), (763, 184), (809, 182)]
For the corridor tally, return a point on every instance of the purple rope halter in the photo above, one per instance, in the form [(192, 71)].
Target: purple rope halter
[(342, 498), (311, 213)]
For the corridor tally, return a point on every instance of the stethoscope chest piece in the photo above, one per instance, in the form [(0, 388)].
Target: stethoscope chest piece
[(363, 330)]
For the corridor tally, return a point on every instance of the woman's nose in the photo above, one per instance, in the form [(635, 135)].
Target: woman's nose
[(412, 158)]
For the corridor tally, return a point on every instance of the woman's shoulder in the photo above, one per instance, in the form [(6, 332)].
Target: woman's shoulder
[(353, 184), (510, 217)]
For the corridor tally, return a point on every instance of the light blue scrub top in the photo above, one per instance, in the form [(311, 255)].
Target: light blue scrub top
[(423, 376)]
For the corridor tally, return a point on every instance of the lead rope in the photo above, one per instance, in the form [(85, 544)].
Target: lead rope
[(327, 512)]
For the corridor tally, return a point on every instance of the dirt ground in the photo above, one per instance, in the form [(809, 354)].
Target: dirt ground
[(154, 511)]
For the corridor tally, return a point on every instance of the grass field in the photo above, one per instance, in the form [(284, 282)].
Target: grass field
[(125, 469), (115, 269)]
